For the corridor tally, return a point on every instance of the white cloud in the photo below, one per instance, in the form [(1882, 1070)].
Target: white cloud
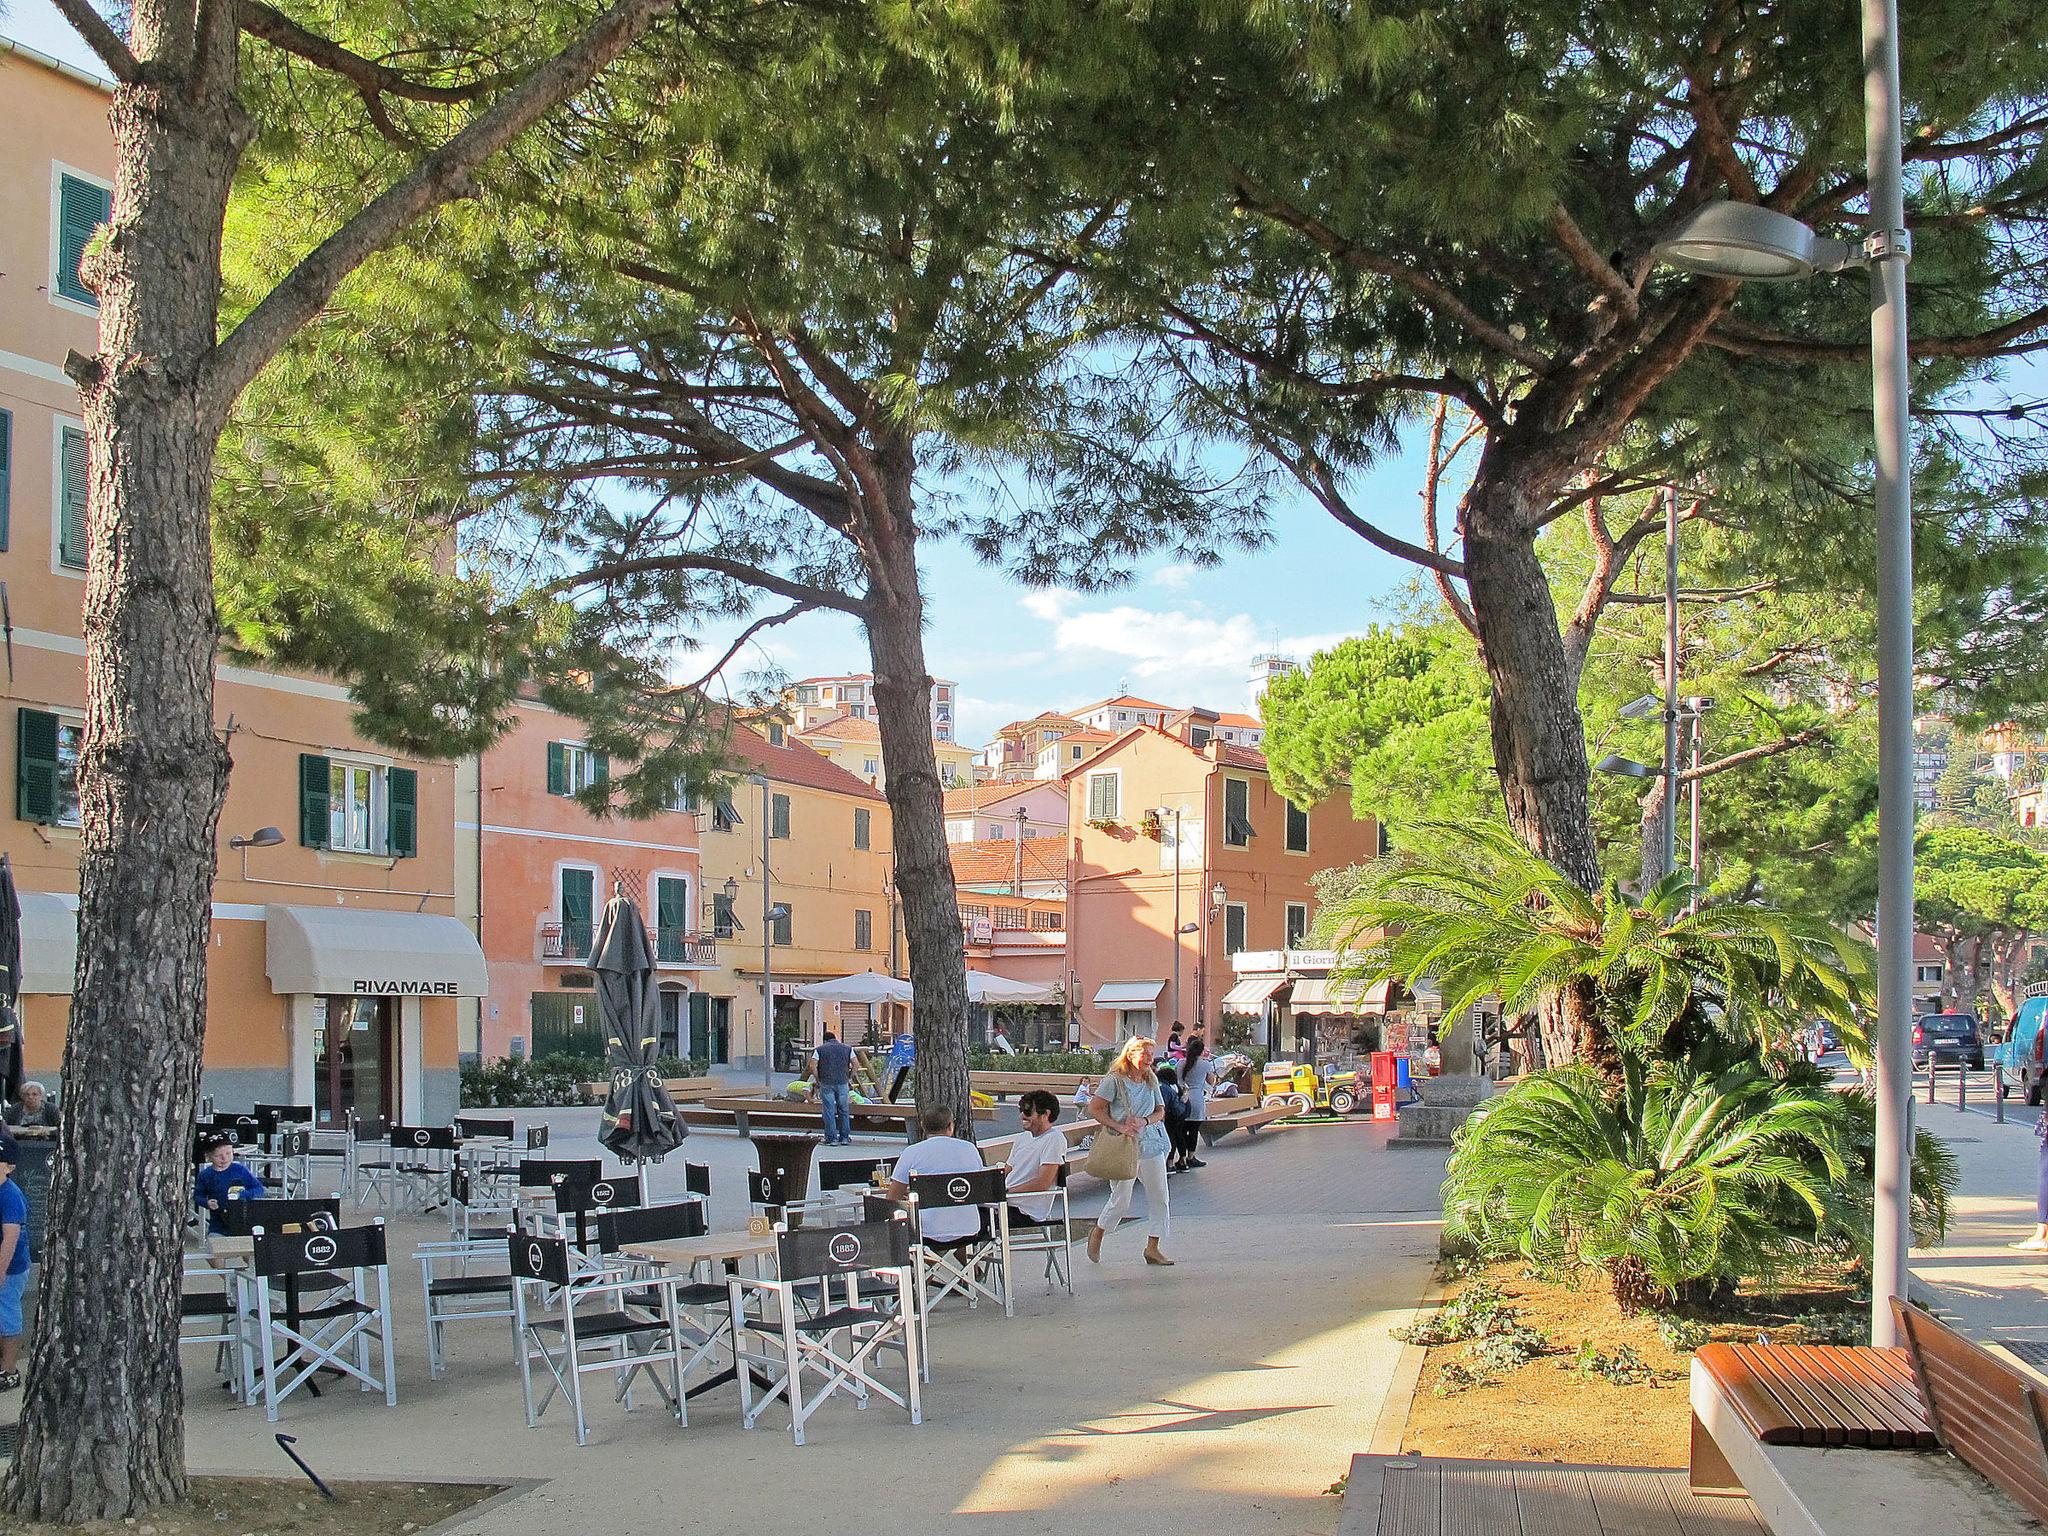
[(1048, 603), (1173, 577)]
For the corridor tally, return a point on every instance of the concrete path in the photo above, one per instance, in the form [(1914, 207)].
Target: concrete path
[(1223, 1395), (1990, 1292)]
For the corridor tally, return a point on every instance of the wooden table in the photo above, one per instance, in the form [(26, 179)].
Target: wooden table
[(712, 1248)]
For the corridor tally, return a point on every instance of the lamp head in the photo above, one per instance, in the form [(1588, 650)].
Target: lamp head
[(1627, 767), (1752, 244), (1641, 709), (262, 837), (1217, 894), (731, 888)]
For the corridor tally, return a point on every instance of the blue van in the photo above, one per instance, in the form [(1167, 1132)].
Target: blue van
[(2019, 1059)]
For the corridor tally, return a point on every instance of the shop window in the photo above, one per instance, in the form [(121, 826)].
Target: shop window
[(46, 767)]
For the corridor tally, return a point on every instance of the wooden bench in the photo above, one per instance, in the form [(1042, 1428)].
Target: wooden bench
[(680, 1089), (1776, 1422), (1251, 1120), (999, 1084)]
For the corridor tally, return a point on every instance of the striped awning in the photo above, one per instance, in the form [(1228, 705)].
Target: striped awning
[(1324, 994), (1250, 994)]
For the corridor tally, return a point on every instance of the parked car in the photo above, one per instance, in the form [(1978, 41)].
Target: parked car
[(2019, 1061), (1946, 1037)]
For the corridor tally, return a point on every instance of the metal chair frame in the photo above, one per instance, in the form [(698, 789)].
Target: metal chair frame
[(1052, 1236), (343, 1321), (634, 1343), (463, 1295)]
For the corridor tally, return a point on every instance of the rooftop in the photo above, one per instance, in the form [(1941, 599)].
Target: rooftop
[(844, 728), (982, 797), (796, 764), (993, 861), (1123, 701)]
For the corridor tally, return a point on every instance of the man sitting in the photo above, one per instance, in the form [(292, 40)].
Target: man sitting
[(1035, 1158), (940, 1152)]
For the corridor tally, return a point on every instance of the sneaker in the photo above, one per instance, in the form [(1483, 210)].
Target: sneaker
[(10, 1381), (1194, 1162)]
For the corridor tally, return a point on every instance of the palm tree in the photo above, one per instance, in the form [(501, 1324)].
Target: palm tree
[(1475, 913)]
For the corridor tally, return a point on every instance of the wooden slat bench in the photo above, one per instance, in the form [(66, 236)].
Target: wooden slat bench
[(1814, 1434), (1251, 1120), (999, 1084)]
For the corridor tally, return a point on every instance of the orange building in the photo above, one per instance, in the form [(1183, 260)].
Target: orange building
[(336, 963), (539, 871), (1236, 878)]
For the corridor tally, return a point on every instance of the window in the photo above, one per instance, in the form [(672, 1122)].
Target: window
[(1031, 831), (863, 829), (870, 767), (73, 478), (577, 908), (46, 767), (1198, 735), (1297, 829), (780, 929), (573, 768), (724, 923), (1104, 796), (1237, 813), (82, 207), (1235, 915), (778, 816), (995, 829), (6, 463), (1297, 924), (863, 928), (774, 733), (973, 910), (356, 807), (671, 918), (1047, 920), (1927, 973), (1010, 917), (679, 796), (1077, 751), (1121, 717), (724, 817)]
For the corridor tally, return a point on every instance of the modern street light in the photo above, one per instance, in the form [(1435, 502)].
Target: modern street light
[(1741, 241), (769, 912)]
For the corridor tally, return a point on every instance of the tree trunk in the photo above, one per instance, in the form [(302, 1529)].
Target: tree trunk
[(924, 865), (102, 1429)]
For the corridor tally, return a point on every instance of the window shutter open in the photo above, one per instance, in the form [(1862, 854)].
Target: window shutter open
[(74, 480), (35, 765), (313, 781), (6, 471), (600, 768), (81, 209), (671, 905), (558, 768), (401, 804)]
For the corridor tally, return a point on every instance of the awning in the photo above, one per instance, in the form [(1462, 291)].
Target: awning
[(367, 952), (987, 987), (1129, 994), (1250, 994), (49, 943), (1323, 994), (868, 987)]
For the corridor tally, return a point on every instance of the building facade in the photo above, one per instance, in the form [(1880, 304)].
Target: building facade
[(854, 742), (1179, 858), (1121, 713), (337, 963), (814, 699), (981, 812)]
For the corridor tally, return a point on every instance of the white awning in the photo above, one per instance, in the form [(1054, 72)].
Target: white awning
[(1323, 994), (987, 987), (1129, 994), (1250, 994), (367, 952), (868, 987), (49, 943)]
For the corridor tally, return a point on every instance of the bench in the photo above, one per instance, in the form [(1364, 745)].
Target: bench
[(999, 1084), (996, 1150), (1776, 1421), (1251, 1120), (680, 1089)]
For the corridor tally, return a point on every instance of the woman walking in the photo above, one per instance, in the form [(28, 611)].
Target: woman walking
[(2037, 1240), (1127, 1102), (1194, 1087)]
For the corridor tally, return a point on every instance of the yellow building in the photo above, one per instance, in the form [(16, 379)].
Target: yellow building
[(827, 858), (336, 964), (855, 744)]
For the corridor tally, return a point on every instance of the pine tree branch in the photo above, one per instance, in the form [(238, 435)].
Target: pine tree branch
[(104, 41), (1438, 462), (767, 621), (440, 177), (1747, 340), (1756, 754), (715, 565), (367, 75), (1573, 242)]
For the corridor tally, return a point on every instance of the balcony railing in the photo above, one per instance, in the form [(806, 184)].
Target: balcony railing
[(674, 946), (567, 941), (570, 943)]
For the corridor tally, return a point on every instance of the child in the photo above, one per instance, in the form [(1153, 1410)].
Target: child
[(219, 1176), (1083, 1093), (15, 1259)]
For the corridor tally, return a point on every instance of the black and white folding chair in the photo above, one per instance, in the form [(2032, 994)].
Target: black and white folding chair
[(704, 1305), (480, 1127), (479, 1205), (974, 1267), (539, 1179), (210, 1312), (841, 1181), (591, 1318), (275, 1213), (576, 1202), (462, 1279), (536, 1138), (767, 1195), (372, 1165), (697, 1180), (838, 1345), (1051, 1235), (421, 1156), (338, 1332), (285, 1162)]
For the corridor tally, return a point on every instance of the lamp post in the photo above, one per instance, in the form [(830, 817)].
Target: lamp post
[(1217, 896), (769, 912), (1743, 241)]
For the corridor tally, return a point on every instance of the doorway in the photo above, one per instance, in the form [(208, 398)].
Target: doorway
[(355, 1060)]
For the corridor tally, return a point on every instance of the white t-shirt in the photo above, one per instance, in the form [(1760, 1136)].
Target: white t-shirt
[(1029, 1157), (943, 1154)]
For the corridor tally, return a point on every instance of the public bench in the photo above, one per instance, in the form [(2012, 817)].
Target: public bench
[(1815, 1434), (999, 1084), (680, 1089), (1251, 1119)]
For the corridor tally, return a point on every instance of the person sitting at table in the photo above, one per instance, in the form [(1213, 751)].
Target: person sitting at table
[(222, 1177), (940, 1152), (35, 1108), (1035, 1157), (15, 1259)]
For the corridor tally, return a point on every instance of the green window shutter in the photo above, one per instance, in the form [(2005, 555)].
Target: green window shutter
[(401, 807), (1102, 797), (6, 472), (35, 765), (672, 905), (558, 768), (600, 767), (862, 829), (313, 780), (1297, 829), (779, 808), (579, 894), (73, 483), (81, 209), (782, 925)]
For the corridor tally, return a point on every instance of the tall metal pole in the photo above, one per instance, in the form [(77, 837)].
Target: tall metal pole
[(1667, 853), (767, 946), (1699, 726), (1889, 250), (1176, 915)]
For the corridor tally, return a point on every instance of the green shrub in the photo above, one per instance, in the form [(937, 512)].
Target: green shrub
[(1623, 1368), (1475, 1312), (1089, 1062), (1508, 1350), (544, 1082), (1682, 1333), (1838, 1327)]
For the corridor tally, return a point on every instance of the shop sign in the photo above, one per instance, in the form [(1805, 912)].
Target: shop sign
[(405, 989)]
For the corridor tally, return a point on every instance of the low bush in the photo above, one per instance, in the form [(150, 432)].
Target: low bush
[(1508, 1350), (1623, 1368), (1682, 1334), (1090, 1062), (1474, 1313), (545, 1082)]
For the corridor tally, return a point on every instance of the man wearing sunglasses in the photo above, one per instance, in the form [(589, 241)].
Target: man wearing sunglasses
[(1036, 1156)]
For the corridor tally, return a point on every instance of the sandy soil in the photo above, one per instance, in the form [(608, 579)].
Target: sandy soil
[(251, 1506)]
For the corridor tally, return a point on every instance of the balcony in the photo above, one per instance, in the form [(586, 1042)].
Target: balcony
[(566, 943), (674, 946)]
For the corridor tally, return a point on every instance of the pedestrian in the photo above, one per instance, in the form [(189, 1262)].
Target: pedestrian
[(2038, 1241), (1176, 1048), (1084, 1093), (222, 1178), (35, 1108), (15, 1259), (832, 1072), (902, 1057), (1127, 1102), (1176, 1121), (1194, 1087)]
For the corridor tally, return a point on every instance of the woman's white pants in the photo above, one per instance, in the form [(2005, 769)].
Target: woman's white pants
[(1151, 1174)]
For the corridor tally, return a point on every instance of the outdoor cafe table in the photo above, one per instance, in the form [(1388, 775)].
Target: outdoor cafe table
[(679, 1255), (238, 1254)]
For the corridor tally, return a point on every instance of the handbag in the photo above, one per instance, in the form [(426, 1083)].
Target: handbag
[(1111, 1154)]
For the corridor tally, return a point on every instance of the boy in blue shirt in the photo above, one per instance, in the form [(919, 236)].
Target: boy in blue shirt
[(14, 1262), (220, 1176)]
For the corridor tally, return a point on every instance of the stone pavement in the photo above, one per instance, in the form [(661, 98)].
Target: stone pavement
[(1993, 1294), (1223, 1395)]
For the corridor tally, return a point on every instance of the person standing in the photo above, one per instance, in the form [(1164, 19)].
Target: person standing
[(1175, 1048), (832, 1071), (15, 1259), (1127, 1102), (2038, 1241), (1194, 1087)]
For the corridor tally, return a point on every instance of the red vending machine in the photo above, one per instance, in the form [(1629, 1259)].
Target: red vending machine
[(1383, 1085)]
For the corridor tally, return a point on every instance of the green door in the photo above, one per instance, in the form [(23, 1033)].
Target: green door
[(579, 903)]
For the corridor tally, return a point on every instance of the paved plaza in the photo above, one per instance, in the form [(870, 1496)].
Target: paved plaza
[(1222, 1395), (1993, 1294)]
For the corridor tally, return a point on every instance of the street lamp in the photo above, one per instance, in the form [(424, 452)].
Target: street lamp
[(1734, 240), (768, 915)]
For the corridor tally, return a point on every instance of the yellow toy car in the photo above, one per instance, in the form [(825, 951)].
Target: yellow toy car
[(1297, 1085)]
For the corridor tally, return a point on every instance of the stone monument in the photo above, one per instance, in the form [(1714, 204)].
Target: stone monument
[(1449, 1097)]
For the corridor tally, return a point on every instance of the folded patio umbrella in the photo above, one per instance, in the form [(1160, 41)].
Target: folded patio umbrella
[(12, 1066), (640, 1119)]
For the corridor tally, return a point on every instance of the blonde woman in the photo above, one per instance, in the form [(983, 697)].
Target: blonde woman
[(1127, 1102)]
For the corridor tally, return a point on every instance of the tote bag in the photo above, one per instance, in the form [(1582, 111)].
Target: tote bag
[(1111, 1154)]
